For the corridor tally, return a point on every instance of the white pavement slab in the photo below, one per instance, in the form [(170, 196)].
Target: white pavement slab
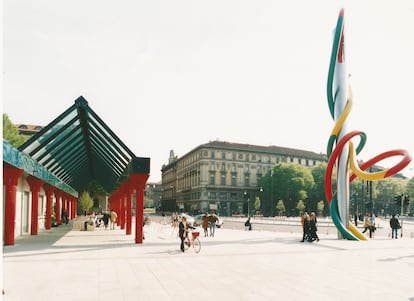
[(62, 264)]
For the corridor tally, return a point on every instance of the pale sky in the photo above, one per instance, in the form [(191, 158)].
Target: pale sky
[(171, 75)]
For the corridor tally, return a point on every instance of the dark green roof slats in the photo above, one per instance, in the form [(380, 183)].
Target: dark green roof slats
[(78, 147)]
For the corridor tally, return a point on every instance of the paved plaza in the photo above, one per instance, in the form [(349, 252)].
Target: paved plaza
[(62, 264)]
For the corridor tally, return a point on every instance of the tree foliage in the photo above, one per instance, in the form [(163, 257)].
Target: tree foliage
[(95, 187), (85, 201), (11, 133), (257, 204), (300, 206), (287, 182), (293, 182), (281, 207), (320, 207)]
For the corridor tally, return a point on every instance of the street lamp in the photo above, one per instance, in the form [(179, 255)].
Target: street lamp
[(247, 196), (271, 193)]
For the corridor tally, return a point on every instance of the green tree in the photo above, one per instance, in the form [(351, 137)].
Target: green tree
[(300, 206), (257, 204), (384, 192), (410, 192), (11, 133), (85, 202), (320, 207), (286, 181), (318, 191), (281, 207), (94, 187), (148, 202)]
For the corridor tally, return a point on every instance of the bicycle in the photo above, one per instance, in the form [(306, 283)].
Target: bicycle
[(194, 241)]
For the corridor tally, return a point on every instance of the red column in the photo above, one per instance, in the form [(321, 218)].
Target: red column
[(49, 189), (35, 185), (139, 181), (64, 204), (128, 193), (11, 177), (122, 210), (58, 195), (69, 207), (74, 207)]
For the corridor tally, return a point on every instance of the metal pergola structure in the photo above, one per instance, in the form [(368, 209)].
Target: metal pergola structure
[(78, 147), (74, 149)]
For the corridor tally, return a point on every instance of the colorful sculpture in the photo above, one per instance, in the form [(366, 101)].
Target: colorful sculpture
[(341, 151)]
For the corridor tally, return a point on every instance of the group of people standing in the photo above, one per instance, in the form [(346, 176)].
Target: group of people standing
[(310, 229), (209, 223)]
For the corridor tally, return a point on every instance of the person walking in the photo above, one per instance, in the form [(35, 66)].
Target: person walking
[(174, 223), (106, 219), (369, 224), (395, 225), (182, 233), (204, 224), (114, 217), (306, 227), (212, 219), (366, 222), (312, 227), (183, 229)]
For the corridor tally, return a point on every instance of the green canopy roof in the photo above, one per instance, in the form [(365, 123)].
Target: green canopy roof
[(78, 147)]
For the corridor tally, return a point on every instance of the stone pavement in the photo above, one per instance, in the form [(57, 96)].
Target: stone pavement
[(62, 264)]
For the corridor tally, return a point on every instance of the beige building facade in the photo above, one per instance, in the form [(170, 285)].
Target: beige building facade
[(218, 175)]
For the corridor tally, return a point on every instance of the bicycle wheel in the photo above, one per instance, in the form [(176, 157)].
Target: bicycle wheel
[(196, 245)]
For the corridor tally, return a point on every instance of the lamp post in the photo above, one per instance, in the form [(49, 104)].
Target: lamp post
[(271, 193), (260, 198), (247, 196)]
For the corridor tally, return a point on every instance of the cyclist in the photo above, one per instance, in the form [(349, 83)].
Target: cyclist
[(183, 229)]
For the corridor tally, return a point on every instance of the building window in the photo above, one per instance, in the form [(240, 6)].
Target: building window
[(223, 196), (246, 181), (213, 166), (223, 180), (223, 155), (212, 195), (212, 180), (212, 154), (233, 180), (223, 166), (240, 156), (234, 157), (253, 157)]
